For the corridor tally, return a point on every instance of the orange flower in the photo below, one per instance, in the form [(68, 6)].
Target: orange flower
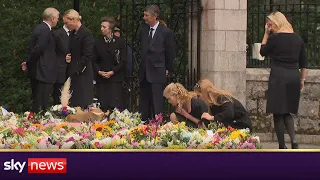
[(231, 128), (110, 122), (38, 125), (61, 126), (98, 127)]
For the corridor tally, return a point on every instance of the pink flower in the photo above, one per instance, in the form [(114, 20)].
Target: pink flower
[(70, 139), (134, 144), (32, 128), (85, 135), (19, 131), (98, 144)]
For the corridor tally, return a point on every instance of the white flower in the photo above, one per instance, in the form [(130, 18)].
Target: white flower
[(55, 108), (53, 147), (67, 145), (2, 146)]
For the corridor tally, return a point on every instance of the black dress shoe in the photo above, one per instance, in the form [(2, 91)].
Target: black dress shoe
[(284, 147), (294, 146)]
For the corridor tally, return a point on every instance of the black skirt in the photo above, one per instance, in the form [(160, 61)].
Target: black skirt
[(283, 91), (110, 95)]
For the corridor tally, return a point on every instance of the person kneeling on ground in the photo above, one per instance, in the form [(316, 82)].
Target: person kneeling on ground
[(224, 107), (188, 107)]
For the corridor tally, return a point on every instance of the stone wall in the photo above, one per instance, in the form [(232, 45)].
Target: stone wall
[(223, 44), (307, 121)]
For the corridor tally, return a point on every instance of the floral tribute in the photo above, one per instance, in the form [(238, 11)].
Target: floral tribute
[(118, 130)]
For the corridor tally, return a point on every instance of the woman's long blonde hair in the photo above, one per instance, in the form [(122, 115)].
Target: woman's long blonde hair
[(181, 93), (280, 21), (210, 93)]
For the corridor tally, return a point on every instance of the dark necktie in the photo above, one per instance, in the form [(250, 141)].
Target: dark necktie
[(150, 35)]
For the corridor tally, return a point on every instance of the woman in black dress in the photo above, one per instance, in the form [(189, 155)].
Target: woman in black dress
[(188, 107), (224, 107), (109, 57), (288, 55)]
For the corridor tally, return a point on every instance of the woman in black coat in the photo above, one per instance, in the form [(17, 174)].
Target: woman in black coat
[(288, 55), (109, 59), (79, 59), (223, 106)]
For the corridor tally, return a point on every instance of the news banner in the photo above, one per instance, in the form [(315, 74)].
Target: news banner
[(169, 164)]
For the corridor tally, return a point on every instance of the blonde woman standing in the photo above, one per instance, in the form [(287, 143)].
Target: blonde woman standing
[(79, 60), (188, 107), (288, 55)]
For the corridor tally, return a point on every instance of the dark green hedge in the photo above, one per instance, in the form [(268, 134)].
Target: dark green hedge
[(18, 18)]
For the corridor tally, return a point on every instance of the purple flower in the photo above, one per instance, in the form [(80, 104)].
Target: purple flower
[(64, 112)]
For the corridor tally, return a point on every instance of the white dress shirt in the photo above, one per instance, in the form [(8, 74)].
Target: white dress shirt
[(154, 28)]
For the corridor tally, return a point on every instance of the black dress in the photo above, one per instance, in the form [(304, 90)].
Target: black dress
[(110, 55), (231, 113), (288, 54), (198, 107)]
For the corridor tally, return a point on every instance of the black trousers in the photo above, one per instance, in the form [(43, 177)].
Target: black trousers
[(151, 99), (33, 82), (42, 97), (56, 93)]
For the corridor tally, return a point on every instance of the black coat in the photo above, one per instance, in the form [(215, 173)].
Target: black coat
[(62, 42), (80, 67), (41, 61), (231, 113), (104, 59), (156, 56)]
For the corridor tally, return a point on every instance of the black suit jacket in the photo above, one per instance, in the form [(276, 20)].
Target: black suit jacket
[(104, 59), (156, 56), (62, 44), (41, 60)]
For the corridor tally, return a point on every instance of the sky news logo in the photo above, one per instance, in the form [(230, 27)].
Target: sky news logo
[(38, 165)]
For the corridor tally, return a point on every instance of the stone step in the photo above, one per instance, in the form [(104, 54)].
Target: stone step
[(301, 138)]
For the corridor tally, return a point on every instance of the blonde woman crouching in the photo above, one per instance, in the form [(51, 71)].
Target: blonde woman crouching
[(188, 107)]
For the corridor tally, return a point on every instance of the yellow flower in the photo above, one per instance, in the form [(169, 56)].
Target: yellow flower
[(123, 141), (14, 145), (176, 147), (225, 140), (221, 129), (98, 134), (109, 129), (27, 146), (142, 143), (237, 134)]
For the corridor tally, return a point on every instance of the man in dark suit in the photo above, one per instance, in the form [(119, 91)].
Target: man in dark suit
[(41, 62), (79, 61), (157, 55), (109, 59), (61, 37)]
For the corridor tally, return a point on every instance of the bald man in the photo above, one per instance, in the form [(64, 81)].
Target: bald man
[(41, 61)]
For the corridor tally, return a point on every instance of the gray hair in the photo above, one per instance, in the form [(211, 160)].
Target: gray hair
[(50, 13), (153, 9)]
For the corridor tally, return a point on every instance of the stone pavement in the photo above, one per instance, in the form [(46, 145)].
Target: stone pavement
[(274, 145)]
